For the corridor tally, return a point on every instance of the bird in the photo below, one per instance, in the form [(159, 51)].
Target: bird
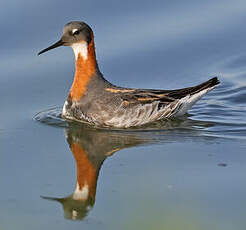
[(94, 100)]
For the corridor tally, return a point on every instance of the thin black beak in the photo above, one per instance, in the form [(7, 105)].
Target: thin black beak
[(57, 44)]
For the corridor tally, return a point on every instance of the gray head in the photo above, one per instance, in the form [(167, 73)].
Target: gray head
[(73, 33)]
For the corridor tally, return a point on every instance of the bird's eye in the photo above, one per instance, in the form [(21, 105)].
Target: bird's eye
[(75, 32)]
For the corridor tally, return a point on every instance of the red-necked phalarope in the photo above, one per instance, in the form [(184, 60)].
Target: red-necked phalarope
[(95, 100)]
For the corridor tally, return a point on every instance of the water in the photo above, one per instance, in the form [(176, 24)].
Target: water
[(185, 173)]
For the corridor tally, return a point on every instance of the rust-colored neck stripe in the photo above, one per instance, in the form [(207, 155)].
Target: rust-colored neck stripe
[(84, 70)]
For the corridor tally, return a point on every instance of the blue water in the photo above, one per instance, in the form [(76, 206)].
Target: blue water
[(186, 173)]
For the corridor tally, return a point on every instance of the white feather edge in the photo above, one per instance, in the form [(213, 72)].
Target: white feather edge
[(187, 102)]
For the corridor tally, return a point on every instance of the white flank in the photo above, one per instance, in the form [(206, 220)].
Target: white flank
[(80, 48), (81, 194), (188, 101)]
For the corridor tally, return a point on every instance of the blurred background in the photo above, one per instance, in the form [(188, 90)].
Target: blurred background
[(188, 176)]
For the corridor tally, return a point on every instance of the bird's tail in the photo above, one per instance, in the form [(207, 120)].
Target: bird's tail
[(181, 93), (189, 96)]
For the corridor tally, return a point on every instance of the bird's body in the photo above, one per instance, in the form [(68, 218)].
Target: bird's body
[(95, 100)]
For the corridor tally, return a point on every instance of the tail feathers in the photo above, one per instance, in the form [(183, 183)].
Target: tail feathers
[(206, 85), (196, 92), (181, 93), (214, 81)]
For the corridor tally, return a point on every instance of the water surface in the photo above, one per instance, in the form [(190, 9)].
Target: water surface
[(186, 173)]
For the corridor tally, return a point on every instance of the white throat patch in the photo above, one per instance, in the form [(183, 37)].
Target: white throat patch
[(80, 48)]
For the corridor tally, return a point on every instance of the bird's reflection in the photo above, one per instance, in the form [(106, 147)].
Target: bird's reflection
[(90, 147)]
